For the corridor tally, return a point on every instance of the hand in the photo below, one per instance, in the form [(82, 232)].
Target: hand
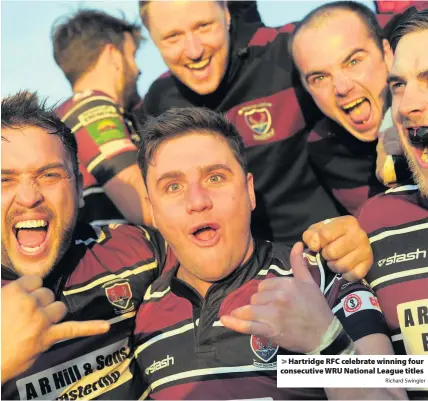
[(388, 145), (291, 312), (343, 244), (30, 326)]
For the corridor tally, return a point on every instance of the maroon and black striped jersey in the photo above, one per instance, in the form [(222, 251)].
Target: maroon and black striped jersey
[(397, 225), (104, 275), (105, 138), (184, 351)]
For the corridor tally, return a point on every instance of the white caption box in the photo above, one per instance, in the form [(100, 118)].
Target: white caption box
[(367, 371)]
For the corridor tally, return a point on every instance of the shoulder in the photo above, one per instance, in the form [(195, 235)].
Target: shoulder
[(116, 246), (394, 207), (266, 35)]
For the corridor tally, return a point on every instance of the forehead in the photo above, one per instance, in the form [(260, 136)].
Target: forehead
[(164, 16), (411, 54), (31, 148), (330, 38), (191, 151)]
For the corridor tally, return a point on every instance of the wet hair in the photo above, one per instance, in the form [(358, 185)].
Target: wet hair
[(177, 122), (79, 40), (416, 22), (25, 109)]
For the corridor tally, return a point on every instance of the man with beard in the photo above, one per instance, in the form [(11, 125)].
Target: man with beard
[(96, 52), (397, 221), (97, 272), (343, 57)]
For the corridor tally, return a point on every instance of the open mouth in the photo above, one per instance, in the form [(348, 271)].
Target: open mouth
[(200, 65), (418, 139), (206, 234), (359, 111), (31, 235)]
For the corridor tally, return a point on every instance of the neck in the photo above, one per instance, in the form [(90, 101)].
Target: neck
[(95, 80)]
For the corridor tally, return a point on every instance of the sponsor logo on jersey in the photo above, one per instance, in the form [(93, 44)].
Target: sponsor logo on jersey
[(402, 257), (263, 348), (85, 377), (158, 365), (352, 303), (359, 301), (259, 119), (119, 294)]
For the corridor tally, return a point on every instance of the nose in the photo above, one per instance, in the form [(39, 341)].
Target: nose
[(414, 100), (28, 194), (193, 47), (197, 199), (342, 84)]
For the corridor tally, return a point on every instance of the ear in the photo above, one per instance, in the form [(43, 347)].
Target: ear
[(228, 17), (387, 54), (113, 56), (250, 189), (81, 201)]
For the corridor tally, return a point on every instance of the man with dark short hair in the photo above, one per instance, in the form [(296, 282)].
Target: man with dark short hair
[(343, 57), (201, 197), (96, 52), (97, 272)]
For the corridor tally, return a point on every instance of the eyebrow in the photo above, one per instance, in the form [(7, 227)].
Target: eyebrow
[(345, 60), (423, 75), (394, 78), (176, 174), (39, 170)]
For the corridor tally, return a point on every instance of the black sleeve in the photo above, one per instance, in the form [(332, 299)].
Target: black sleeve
[(357, 308)]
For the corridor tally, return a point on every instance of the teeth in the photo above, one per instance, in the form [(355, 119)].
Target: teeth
[(30, 250), (424, 156), (353, 104), (31, 224), (200, 65)]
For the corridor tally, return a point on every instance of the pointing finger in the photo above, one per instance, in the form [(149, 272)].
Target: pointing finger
[(73, 329)]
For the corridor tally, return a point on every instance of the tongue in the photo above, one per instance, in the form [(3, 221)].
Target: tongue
[(205, 234), (32, 237), (361, 112)]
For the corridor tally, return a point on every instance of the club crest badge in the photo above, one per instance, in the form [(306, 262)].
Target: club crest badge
[(263, 348), (119, 294), (259, 119)]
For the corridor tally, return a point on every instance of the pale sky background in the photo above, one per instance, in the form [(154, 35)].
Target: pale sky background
[(26, 51)]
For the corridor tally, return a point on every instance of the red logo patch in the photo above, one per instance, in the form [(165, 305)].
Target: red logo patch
[(352, 303), (263, 348), (119, 294)]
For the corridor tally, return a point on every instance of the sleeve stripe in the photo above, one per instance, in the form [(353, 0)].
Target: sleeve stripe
[(102, 280)]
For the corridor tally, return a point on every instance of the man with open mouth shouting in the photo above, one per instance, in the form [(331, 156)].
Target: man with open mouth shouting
[(98, 273), (202, 198), (343, 60)]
